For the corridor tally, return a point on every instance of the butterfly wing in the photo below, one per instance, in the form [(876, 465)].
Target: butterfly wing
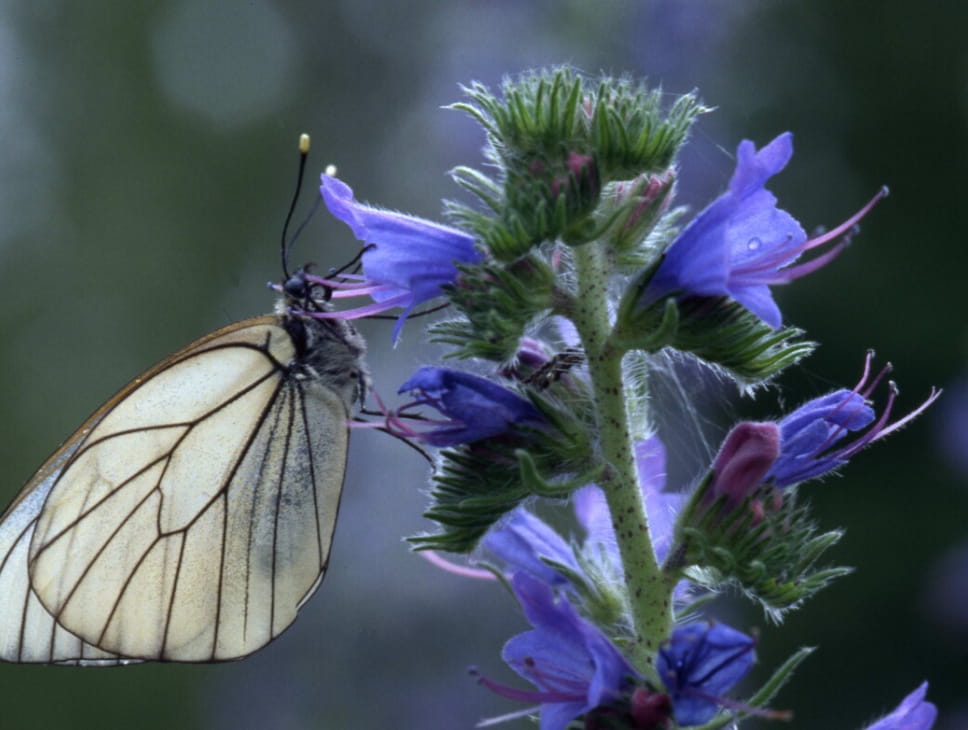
[(28, 633), (190, 517)]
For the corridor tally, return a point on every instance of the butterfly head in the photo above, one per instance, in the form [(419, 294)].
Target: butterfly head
[(301, 293)]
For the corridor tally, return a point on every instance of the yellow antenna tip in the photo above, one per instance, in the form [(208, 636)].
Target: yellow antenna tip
[(303, 144), (330, 170)]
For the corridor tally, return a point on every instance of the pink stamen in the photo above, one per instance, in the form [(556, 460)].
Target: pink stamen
[(880, 428), (865, 393), (364, 424), (932, 397), (334, 283), (769, 265), (529, 695), (868, 359), (791, 273), (364, 311), (566, 684), (434, 558), (877, 380), (525, 695), (848, 224), (501, 719), (361, 289)]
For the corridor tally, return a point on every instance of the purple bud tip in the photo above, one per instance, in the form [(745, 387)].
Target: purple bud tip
[(745, 458)]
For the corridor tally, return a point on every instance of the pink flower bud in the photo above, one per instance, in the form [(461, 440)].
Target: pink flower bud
[(745, 458)]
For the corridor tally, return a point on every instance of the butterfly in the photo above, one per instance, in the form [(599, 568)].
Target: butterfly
[(190, 517)]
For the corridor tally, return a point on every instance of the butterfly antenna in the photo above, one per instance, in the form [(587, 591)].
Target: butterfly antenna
[(353, 265), (283, 244)]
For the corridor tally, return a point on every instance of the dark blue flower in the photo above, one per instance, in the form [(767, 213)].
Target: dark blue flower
[(699, 664), (742, 244), (571, 662), (810, 436), (474, 408), (406, 260), (914, 713)]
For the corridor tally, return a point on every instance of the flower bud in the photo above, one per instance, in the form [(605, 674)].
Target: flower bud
[(745, 458), (634, 206)]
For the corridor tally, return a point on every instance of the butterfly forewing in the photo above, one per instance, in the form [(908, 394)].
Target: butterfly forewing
[(190, 517)]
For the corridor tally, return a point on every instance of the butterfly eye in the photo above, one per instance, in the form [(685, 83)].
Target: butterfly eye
[(296, 286)]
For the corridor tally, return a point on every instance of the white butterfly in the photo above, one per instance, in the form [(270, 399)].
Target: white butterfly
[(190, 517)]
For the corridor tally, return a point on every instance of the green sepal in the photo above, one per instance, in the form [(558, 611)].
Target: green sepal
[(540, 485), (767, 547), (629, 212), (597, 591), (498, 301), (555, 139), (474, 485), (632, 132), (717, 330), (765, 693), (662, 332), (473, 489)]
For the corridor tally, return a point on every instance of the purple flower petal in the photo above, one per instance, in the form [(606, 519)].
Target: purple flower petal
[(572, 663), (810, 436), (408, 259), (521, 541), (914, 713), (741, 244)]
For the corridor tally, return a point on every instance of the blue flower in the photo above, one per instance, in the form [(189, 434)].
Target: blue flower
[(914, 713), (571, 662), (742, 244), (406, 260), (806, 443), (474, 408), (809, 436), (700, 663)]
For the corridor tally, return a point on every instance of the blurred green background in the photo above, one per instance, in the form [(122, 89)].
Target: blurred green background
[(148, 157)]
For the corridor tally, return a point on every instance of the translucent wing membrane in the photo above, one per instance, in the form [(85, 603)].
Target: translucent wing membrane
[(187, 520)]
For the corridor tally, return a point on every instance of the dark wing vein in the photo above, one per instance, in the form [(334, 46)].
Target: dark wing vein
[(263, 464), (275, 517), (188, 425), (311, 464)]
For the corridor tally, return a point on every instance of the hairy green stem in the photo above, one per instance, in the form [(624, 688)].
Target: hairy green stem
[(648, 589)]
